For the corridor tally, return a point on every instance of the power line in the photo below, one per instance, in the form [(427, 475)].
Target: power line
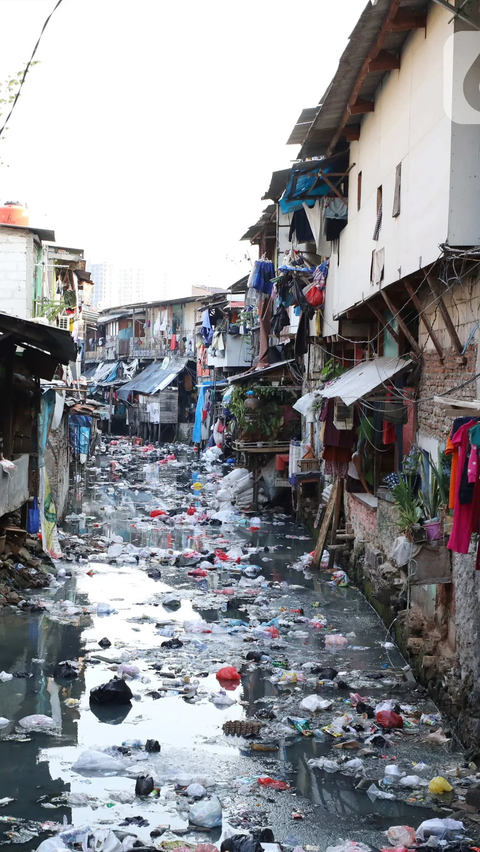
[(27, 67)]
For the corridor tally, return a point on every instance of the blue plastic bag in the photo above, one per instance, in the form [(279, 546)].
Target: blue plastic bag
[(33, 519)]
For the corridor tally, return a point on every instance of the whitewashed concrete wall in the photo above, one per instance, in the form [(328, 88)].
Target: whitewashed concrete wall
[(17, 267), (409, 126)]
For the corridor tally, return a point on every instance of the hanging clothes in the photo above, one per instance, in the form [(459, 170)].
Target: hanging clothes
[(459, 540), (264, 271), (452, 450), (300, 228), (206, 330), (315, 220), (335, 208)]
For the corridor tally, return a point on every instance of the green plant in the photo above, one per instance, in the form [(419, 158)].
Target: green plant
[(332, 370), (433, 496), (409, 509)]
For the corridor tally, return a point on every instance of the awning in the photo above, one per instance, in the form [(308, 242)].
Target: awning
[(39, 335), (251, 375), (155, 378), (364, 379)]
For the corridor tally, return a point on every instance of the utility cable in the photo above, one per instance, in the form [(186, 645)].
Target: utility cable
[(27, 67)]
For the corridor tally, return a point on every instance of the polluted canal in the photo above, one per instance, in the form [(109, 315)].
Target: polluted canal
[(246, 691)]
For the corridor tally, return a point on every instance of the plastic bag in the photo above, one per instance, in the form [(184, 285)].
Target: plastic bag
[(228, 673), (348, 846), (389, 719), (51, 844), (335, 641), (4, 722), (207, 813), (197, 790), (438, 828), (273, 784), (439, 785), (240, 843), (313, 703), (144, 785), (66, 670), (401, 835), (97, 763), (33, 518), (116, 691), (5, 676), (324, 763), (37, 722), (128, 670)]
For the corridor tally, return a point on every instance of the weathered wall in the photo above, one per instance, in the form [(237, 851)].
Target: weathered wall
[(14, 486), (17, 259), (57, 464)]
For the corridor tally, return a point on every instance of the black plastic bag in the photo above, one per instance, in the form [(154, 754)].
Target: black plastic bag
[(152, 745), (144, 785), (65, 671), (105, 643), (256, 656), (240, 843), (172, 643), (116, 691)]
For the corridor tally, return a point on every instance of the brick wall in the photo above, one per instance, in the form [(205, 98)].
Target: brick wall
[(438, 378), (16, 272)]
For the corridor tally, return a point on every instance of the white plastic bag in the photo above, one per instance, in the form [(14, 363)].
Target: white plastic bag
[(196, 790), (97, 763), (207, 813), (313, 703), (37, 722), (5, 677), (401, 835), (438, 828)]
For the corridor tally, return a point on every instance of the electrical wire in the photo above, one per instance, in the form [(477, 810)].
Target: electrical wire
[(27, 67)]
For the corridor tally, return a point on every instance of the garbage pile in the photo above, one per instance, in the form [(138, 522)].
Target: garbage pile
[(253, 682), (23, 565)]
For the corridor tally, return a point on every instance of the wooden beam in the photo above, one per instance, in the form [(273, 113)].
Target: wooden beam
[(421, 313), (384, 61), (351, 133), (391, 307), (433, 284), (361, 106), (408, 19), (392, 12), (333, 188), (383, 322)]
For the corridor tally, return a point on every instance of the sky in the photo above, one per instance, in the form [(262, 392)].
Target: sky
[(149, 131)]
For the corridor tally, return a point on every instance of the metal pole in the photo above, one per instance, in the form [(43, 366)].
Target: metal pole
[(110, 408)]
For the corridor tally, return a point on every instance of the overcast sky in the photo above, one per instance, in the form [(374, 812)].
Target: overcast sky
[(151, 127)]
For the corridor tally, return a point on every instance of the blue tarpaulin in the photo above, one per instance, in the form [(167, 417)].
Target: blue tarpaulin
[(80, 426)]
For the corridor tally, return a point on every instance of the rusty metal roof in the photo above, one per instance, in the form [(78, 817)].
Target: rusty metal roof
[(277, 186), (264, 220), (316, 137)]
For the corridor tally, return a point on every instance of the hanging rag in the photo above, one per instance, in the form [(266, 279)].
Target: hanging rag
[(206, 330), (262, 278), (315, 219)]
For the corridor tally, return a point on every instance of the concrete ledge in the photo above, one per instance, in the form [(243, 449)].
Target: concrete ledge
[(367, 499)]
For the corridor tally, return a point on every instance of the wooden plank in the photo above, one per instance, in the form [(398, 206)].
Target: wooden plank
[(362, 106), (383, 322), (408, 19), (351, 132), (336, 514), (421, 313), (322, 536), (384, 61), (394, 310), (392, 13), (333, 187), (433, 284)]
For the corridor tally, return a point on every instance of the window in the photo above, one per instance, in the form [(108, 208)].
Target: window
[(378, 221), (398, 191), (359, 190)]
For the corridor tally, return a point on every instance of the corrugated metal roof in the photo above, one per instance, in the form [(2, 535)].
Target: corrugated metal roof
[(364, 378), (264, 220), (302, 126), (58, 343), (316, 137), (155, 378), (278, 182), (252, 374), (42, 233)]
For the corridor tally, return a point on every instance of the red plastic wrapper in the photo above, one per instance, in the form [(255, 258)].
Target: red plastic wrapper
[(155, 513), (228, 673), (389, 719), (274, 785), (191, 511)]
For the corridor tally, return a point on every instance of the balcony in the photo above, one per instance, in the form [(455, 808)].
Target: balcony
[(155, 347)]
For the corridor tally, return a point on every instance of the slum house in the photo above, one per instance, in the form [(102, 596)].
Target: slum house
[(159, 399), (29, 353), (130, 339), (399, 332)]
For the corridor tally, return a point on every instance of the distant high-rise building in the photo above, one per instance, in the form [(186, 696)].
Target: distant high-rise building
[(116, 285)]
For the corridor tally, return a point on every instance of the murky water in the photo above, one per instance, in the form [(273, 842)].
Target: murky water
[(38, 768)]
